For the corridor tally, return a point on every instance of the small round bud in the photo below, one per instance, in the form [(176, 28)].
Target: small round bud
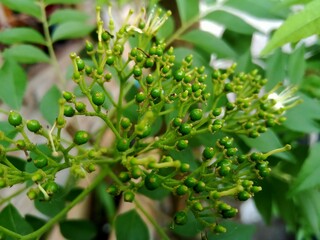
[(81, 137), (136, 172), (80, 107), (124, 177), (40, 162), (68, 96), (208, 153), (196, 114), (180, 218), (243, 195), (14, 118), (199, 187), (33, 125), (179, 75), (185, 128), (185, 167), (98, 98), (68, 111), (182, 144), (140, 97), (122, 144), (128, 196), (152, 181), (182, 190), (80, 64), (125, 123), (190, 182)]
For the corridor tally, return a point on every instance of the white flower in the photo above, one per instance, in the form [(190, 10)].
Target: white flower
[(133, 28), (155, 21), (284, 99)]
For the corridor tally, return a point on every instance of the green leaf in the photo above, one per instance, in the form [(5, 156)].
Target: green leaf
[(266, 142), (231, 22), (188, 9), (157, 194), (49, 106), (29, 7), (17, 162), (209, 43), (21, 34), (304, 117), (9, 131), (181, 53), (67, 15), (130, 226), (298, 26), (78, 229), (48, 2), (311, 85), (234, 231), (260, 9), (24, 53), (283, 203), (11, 219), (263, 200), (35, 222), (309, 206), (106, 200), (297, 65), (286, 3), (275, 70), (190, 229), (244, 62), (12, 84), (52, 207), (308, 177), (71, 30)]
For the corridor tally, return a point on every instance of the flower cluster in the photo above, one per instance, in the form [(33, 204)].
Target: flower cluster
[(162, 106)]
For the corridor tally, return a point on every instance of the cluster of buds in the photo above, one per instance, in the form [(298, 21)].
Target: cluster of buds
[(160, 108)]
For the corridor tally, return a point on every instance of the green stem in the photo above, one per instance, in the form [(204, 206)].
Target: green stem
[(105, 170), (49, 42), (119, 112), (10, 233), (159, 229)]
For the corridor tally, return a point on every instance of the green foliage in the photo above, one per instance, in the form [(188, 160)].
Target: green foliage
[(308, 176), (13, 83), (231, 22), (134, 226), (11, 219), (67, 15), (298, 26), (78, 229), (70, 30), (21, 34), (49, 111), (208, 43), (24, 53), (29, 7), (188, 10)]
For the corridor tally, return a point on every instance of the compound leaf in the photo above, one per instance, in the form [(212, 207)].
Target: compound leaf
[(298, 26), (135, 228), (21, 34), (13, 81), (71, 30), (25, 53)]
